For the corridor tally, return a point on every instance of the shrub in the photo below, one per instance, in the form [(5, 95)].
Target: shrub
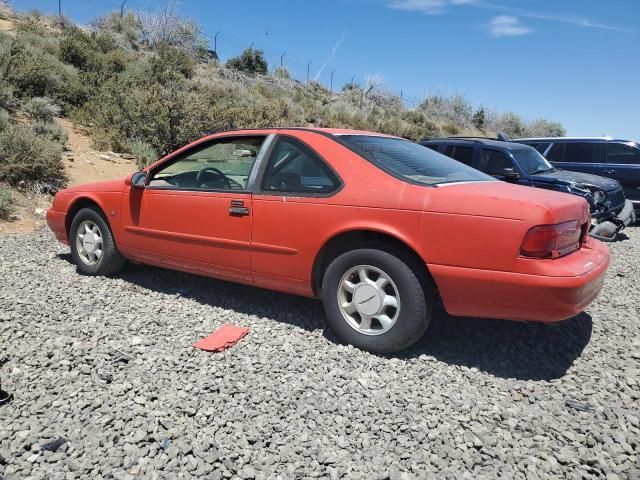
[(167, 27), (5, 120), (282, 72), (544, 128), (5, 10), (510, 124), (6, 203), (124, 30), (41, 108), (145, 154), (27, 159), (455, 109), (49, 130), (250, 61), (479, 119), (170, 61)]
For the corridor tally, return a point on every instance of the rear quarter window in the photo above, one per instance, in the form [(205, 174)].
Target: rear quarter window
[(623, 154)]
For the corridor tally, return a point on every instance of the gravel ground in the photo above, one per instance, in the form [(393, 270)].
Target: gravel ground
[(106, 365)]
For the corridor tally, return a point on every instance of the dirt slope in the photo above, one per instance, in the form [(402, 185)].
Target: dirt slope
[(82, 163)]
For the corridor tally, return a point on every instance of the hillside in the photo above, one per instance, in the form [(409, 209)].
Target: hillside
[(144, 84)]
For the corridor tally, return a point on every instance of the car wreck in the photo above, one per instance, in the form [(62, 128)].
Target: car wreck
[(516, 163)]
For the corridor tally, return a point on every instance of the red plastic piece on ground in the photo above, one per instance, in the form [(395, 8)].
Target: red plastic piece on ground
[(223, 338)]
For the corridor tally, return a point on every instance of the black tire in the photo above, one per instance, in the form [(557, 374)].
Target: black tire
[(415, 289), (110, 261)]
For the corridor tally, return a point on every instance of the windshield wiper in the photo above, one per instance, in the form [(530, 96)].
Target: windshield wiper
[(542, 171)]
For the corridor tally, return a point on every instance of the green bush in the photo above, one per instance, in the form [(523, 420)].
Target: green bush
[(250, 61), (282, 72), (49, 130), (28, 159), (145, 154), (5, 120), (6, 203), (41, 108)]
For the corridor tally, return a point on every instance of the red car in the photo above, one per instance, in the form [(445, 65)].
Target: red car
[(375, 225)]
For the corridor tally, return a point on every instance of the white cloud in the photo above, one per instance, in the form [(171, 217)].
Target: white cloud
[(507, 26), (433, 7), (430, 7)]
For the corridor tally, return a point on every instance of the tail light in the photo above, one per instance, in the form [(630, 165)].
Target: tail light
[(552, 241)]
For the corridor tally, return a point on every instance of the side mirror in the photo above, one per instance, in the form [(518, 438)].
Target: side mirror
[(510, 173), (138, 180)]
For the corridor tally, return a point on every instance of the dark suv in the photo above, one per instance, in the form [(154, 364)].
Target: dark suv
[(619, 159), (518, 163)]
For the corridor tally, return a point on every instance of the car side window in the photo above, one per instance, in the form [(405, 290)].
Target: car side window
[(556, 153), (461, 154), (493, 162), (623, 154), (295, 168), (584, 152), (432, 146), (223, 164), (540, 147)]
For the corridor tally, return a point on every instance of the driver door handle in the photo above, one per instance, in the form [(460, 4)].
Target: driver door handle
[(237, 209)]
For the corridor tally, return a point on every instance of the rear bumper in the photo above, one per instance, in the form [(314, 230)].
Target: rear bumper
[(471, 292), (57, 223)]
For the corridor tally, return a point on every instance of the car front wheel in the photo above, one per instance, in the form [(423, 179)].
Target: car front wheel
[(376, 301), (92, 246)]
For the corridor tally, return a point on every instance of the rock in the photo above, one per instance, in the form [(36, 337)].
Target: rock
[(104, 156), (105, 363)]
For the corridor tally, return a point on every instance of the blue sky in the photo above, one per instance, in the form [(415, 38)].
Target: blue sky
[(576, 61)]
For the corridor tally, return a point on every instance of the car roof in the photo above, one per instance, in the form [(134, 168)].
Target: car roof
[(490, 142), (571, 139), (325, 131)]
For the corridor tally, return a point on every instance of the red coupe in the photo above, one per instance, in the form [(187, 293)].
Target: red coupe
[(375, 225)]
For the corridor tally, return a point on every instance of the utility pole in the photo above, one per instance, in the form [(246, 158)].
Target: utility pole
[(215, 41), (281, 58), (331, 83), (60, 9), (308, 67), (353, 79), (122, 8)]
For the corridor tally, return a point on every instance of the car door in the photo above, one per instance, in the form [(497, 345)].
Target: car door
[(493, 162), (579, 156), (195, 211), (623, 164), (461, 153), (294, 197)]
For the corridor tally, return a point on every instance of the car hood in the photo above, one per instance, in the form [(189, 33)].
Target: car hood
[(576, 178), (105, 186)]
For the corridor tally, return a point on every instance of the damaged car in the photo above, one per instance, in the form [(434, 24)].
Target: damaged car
[(376, 226), (524, 165)]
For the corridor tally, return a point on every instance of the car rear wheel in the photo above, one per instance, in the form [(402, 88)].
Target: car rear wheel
[(92, 246), (377, 301)]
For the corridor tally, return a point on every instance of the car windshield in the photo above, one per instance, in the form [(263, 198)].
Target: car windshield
[(531, 161), (411, 161)]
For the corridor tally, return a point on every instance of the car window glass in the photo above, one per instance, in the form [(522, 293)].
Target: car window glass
[(293, 167), (580, 152), (556, 153), (623, 154), (433, 147), (223, 165), (493, 162), (462, 154), (540, 147), (410, 161)]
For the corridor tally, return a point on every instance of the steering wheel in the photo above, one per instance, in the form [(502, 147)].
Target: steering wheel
[(216, 172)]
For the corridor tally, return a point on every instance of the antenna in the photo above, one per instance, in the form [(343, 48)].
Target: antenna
[(308, 67)]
